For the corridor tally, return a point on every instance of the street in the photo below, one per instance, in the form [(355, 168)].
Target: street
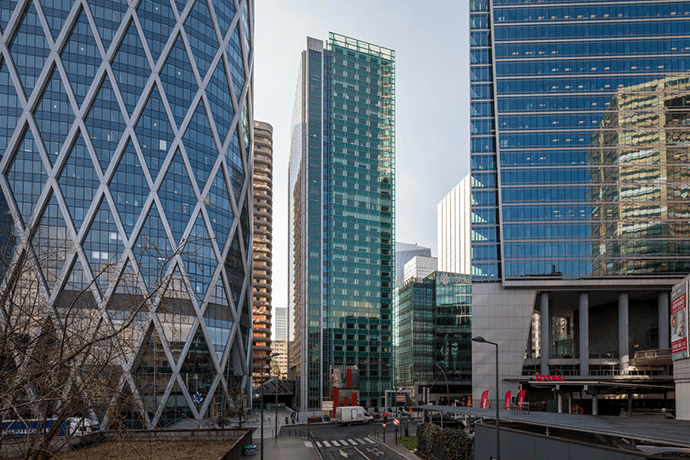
[(358, 442)]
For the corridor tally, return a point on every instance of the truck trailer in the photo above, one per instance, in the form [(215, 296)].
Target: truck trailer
[(352, 414)]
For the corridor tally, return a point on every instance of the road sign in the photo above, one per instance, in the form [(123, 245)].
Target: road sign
[(396, 422), (384, 425)]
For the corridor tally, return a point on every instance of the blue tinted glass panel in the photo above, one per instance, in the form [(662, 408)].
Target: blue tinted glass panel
[(129, 188), (178, 81), (80, 57), (27, 176), (131, 68), (53, 116), (154, 132), (78, 182), (29, 49)]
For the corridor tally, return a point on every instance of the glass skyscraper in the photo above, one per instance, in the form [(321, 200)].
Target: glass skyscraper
[(342, 210), (579, 114), (434, 345), (126, 136)]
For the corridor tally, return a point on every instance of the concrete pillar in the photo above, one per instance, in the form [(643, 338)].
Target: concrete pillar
[(560, 403), (570, 402), (595, 405), (545, 333), (623, 340), (584, 334), (664, 332)]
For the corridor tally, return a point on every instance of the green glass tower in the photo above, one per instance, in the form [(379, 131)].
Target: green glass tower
[(342, 218)]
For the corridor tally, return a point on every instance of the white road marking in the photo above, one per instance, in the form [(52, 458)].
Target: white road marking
[(335, 443), (362, 453), (353, 442), (370, 441), (327, 444)]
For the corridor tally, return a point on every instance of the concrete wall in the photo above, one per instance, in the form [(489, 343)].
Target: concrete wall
[(603, 328), (681, 375), (528, 446), (501, 316)]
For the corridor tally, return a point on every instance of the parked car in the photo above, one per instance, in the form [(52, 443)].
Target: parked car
[(448, 421)]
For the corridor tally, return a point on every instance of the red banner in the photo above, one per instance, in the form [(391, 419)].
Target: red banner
[(508, 400), (521, 399), (485, 400)]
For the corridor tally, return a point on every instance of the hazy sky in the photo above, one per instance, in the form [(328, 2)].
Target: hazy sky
[(431, 43)]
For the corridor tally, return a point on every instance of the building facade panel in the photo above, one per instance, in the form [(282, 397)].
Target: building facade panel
[(577, 160), (342, 216), (124, 171)]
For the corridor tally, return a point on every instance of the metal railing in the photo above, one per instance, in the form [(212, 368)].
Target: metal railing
[(316, 446), (517, 408)]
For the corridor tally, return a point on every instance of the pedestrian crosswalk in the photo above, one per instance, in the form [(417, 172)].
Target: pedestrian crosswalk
[(342, 442)]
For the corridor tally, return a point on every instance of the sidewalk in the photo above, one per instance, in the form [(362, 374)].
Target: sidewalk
[(285, 448)]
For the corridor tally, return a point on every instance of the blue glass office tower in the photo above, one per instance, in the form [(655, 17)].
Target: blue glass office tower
[(126, 167), (342, 209), (579, 185)]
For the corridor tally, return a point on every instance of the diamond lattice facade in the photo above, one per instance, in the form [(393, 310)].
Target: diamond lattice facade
[(126, 168)]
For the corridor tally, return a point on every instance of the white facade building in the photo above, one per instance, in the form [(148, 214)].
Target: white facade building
[(454, 230), (420, 267)]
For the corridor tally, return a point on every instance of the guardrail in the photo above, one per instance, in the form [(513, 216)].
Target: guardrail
[(519, 408)]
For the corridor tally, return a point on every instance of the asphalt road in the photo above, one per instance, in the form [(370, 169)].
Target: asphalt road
[(354, 442)]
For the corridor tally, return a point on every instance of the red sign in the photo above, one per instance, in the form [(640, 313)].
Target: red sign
[(549, 378), (396, 422), (521, 399), (485, 400), (508, 400), (400, 398), (384, 425)]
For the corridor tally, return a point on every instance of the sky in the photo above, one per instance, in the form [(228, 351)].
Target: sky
[(431, 43)]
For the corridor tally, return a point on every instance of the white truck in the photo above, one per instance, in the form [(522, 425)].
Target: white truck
[(352, 414)]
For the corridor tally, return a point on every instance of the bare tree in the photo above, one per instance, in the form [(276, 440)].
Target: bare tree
[(61, 363)]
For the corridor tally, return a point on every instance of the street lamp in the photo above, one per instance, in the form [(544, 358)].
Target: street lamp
[(263, 361), (447, 387), (277, 381), (480, 339)]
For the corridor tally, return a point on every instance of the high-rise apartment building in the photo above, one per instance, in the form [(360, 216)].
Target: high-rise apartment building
[(280, 323), (454, 242), (262, 270), (342, 209), (579, 114), (126, 166)]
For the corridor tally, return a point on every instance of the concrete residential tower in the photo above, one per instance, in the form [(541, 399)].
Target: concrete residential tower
[(579, 196), (342, 228), (125, 167), (262, 270)]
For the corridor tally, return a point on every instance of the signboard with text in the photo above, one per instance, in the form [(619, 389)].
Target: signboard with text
[(679, 321)]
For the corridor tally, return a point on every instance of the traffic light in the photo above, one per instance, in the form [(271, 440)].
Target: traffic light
[(385, 418)]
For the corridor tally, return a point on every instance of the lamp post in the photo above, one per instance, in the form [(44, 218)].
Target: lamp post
[(480, 339), (273, 355), (263, 361), (447, 387)]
